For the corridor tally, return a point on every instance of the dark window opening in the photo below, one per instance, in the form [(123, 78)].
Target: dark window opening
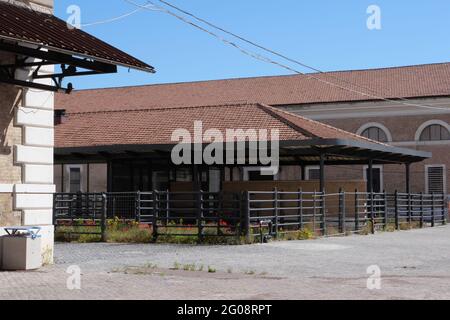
[(435, 132), (375, 133), (74, 180)]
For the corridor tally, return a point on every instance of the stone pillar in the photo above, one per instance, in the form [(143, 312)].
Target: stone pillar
[(26, 150)]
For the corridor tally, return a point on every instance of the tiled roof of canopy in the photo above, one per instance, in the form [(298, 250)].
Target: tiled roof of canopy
[(155, 126)]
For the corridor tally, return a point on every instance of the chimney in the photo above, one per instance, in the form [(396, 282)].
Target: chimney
[(38, 5), (60, 116)]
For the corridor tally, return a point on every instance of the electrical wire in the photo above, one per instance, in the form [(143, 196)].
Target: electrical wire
[(268, 60), (274, 52), (123, 16)]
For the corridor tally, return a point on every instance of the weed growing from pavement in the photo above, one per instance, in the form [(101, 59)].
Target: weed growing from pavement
[(211, 270)]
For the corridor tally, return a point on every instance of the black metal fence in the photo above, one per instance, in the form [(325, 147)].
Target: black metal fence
[(257, 214)]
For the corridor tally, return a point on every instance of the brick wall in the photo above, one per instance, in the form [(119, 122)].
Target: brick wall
[(10, 135), (401, 121)]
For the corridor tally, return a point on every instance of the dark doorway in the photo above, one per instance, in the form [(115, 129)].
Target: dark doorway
[(377, 180)]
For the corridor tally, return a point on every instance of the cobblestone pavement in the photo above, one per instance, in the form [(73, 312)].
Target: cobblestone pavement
[(414, 265)]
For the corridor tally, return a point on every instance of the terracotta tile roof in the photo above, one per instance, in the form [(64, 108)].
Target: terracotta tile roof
[(155, 126), (23, 24), (406, 82)]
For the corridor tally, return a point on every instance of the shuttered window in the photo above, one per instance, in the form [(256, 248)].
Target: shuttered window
[(75, 180), (435, 132), (376, 134), (312, 173), (436, 179)]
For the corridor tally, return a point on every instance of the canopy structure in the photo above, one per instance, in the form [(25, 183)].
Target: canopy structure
[(147, 134), (48, 39)]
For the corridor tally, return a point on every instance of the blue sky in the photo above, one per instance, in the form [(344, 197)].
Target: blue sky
[(327, 34)]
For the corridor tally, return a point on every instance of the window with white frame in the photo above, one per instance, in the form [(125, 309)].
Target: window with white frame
[(377, 178), (375, 133), (435, 179), (256, 174), (74, 181), (312, 173), (435, 132)]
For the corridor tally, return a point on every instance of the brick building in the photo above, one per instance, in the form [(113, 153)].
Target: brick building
[(414, 113)]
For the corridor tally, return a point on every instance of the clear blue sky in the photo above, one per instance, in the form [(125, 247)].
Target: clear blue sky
[(327, 34)]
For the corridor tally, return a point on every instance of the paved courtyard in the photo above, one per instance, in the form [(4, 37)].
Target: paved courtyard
[(414, 265)]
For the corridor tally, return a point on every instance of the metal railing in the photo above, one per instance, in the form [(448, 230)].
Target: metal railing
[(259, 214)]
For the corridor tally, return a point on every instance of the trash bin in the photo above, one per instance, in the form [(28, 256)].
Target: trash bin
[(22, 248)]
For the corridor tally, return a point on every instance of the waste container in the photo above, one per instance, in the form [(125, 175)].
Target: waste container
[(21, 249)]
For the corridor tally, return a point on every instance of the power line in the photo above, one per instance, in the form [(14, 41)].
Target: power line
[(274, 52), (123, 16), (268, 60)]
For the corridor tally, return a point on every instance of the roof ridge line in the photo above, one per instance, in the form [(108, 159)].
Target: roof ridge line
[(148, 109), (267, 76), (322, 124), (271, 111)]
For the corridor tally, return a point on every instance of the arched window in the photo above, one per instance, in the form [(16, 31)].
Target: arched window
[(375, 131), (435, 132), (376, 134)]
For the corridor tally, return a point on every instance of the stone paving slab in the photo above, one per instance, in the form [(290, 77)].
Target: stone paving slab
[(414, 265)]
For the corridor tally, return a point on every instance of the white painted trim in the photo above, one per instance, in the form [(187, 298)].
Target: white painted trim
[(247, 170), (33, 155), (422, 143), (37, 217), (6, 188), (67, 171), (322, 115), (430, 123), (307, 169), (35, 188), (378, 166), (38, 174), (33, 201), (444, 176), (375, 125), (34, 117), (38, 137)]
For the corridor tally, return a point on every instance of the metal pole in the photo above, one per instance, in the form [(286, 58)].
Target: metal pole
[(370, 185), (137, 213), (421, 210), (322, 173), (385, 209), (356, 211), (300, 205), (341, 211), (275, 194), (155, 215), (322, 191), (433, 217), (247, 212), (200, 215), (408, 176), (397, 222), (104, 218), (444, 208)]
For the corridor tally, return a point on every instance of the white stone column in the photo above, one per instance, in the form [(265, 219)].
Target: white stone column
[(34, 196)]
